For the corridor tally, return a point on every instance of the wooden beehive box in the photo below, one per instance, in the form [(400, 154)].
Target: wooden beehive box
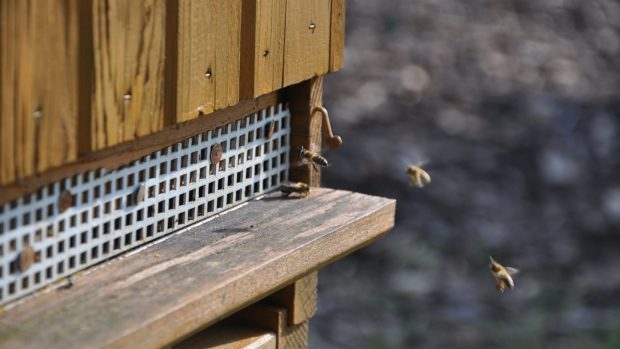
[(142, 144)]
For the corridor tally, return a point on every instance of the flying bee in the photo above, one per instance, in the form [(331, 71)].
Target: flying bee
[(300, 188), (502, 275), (417, 176), (312, 158)]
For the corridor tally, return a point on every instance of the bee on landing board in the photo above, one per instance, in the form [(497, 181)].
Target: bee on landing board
[(502, 275), (417, 176), (312, 158), (300, 188)]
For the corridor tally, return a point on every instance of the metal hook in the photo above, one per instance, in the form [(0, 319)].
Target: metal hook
[(333, 141)]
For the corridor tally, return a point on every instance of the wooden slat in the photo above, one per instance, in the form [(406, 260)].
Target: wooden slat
[(336, 40), (299, 298), (305, 127), (193, 279), (306, 50), (224, 336), (297, 336), (39, 50), (262, 46), (208, 51), (227, 52), (121, 154), (128, 40), (274, 319)]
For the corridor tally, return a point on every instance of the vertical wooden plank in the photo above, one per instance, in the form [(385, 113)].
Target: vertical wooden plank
[(39, 72), (305, 127), (262, 46), (336, 39), (7, 78), (195, 59), (299, 298), (227, 38), (209, 34), (128, 39), (249, 48), (306, 48)]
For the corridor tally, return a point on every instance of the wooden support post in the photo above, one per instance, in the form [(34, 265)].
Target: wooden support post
[(274, 319), (299, 298), (306, 128)]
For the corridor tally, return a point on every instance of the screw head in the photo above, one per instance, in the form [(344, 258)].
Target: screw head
[(65, 201), (37, 114), (127, 97), (26, 258), (265, 53), (312, 27), (216, 153), (208, 74)]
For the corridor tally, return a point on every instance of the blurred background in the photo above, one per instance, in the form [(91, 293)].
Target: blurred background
[(514, 108)]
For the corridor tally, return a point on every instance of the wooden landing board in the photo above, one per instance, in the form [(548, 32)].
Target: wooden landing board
[(192, 279)]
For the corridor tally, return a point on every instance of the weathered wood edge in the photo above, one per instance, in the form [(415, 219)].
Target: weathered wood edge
[(124, 153)]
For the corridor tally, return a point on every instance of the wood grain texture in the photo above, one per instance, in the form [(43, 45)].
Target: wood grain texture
[(274, 319), (224, 336), (306, 48), (128, 40), (121, 154), (299, 299), (193, 279), (208, 54), (305, 127), (336, 39), (39, 51), (297, 336), (262, 46)]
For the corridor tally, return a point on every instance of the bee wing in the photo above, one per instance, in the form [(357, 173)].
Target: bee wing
[(300, 163), (506, 279), (512, 271)]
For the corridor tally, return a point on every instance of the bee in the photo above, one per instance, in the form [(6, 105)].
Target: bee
[(300, 188), (502, 275), (310, 157), (417, 176)]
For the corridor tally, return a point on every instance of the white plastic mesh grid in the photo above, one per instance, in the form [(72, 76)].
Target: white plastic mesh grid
[(181, 187)]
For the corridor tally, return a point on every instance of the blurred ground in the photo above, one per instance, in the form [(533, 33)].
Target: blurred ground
[(515, 105)]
